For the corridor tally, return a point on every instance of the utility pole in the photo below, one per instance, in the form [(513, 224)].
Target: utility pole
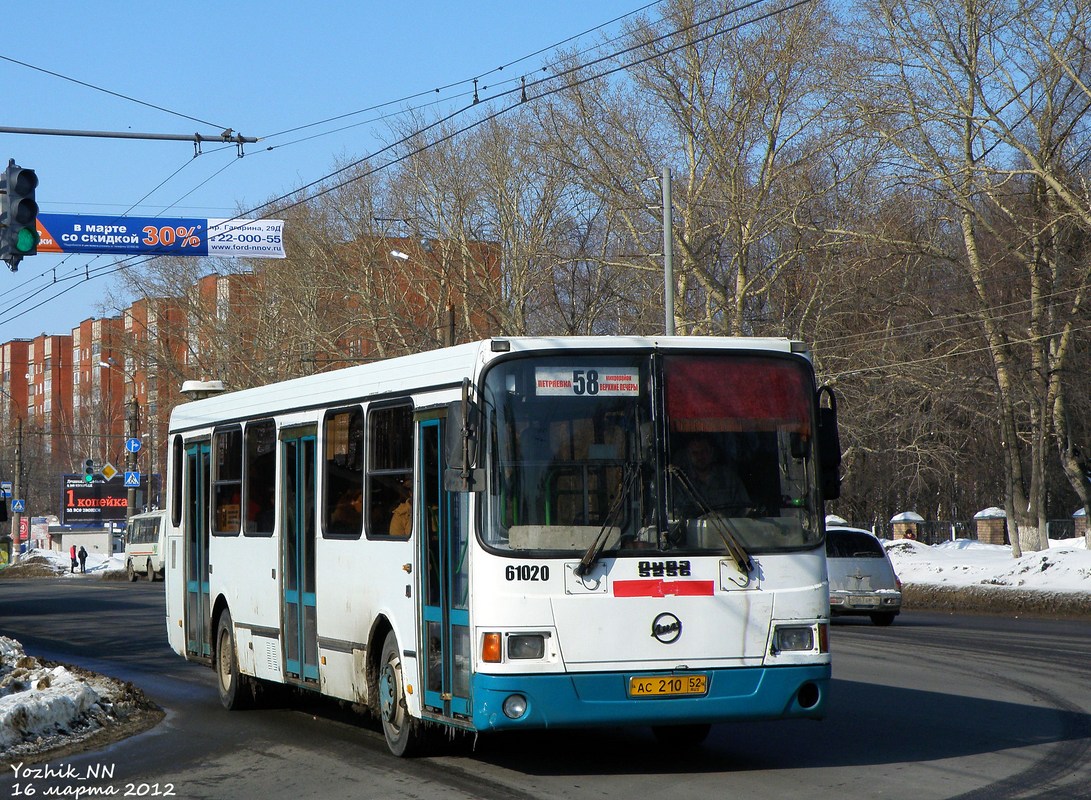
[(132, 426), (668, 255), (17, 490)]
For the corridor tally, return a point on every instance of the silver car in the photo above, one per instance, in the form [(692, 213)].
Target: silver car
[(862, 579)]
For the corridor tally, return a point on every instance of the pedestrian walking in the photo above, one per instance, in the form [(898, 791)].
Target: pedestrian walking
[(83, 559)]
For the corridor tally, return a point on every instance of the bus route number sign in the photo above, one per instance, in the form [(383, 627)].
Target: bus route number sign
[(586, 382), (668, 685)]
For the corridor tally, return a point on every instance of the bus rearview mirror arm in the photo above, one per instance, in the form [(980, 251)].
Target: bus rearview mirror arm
[(463, 439)]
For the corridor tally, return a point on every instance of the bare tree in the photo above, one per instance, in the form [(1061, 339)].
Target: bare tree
[(738, 107), (977, 113)]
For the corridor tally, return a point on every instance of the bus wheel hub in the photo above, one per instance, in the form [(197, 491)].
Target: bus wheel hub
[(388, 693)]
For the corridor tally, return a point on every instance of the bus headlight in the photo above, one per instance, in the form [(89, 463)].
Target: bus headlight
[(526, 646), (515, 706), (793, 639)]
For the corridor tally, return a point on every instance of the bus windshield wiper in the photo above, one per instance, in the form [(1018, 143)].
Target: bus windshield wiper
[(628, 477), (719, 522)]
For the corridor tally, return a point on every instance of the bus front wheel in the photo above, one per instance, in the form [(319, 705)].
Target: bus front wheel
[(234, 688), (131, 571), (403, 733)]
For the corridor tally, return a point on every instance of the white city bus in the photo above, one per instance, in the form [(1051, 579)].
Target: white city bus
[(515, 534), (144, 535)]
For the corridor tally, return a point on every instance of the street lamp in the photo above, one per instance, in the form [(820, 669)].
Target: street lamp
[(448, 335), (133, 423)]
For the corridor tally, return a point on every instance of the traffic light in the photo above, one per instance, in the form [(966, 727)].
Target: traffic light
[(89, 470), (18, 214)]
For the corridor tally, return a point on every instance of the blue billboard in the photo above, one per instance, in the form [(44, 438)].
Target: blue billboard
[(230, 238)]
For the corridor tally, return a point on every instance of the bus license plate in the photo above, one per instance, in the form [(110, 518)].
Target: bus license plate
[(667, 685)]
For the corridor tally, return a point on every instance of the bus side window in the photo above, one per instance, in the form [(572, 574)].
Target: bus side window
[(227, 481), (389, 470), (259, 472), (343, 485)]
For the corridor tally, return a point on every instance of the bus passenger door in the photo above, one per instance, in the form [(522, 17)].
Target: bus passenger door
[(198, 608), (443, 529), (298, 554)]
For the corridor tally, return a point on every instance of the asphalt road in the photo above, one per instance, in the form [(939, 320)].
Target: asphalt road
[(935, 706)]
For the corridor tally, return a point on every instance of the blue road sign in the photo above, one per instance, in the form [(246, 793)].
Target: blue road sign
[(18, 506), (5, 490), (132, 479), (132, 445)]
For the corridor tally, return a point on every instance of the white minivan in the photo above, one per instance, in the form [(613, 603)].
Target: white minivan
[(144, 545), (862, 579)]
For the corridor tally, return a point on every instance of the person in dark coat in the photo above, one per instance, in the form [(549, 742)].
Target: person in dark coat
[(83, 559)]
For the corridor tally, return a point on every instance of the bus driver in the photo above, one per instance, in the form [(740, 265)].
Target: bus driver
[(718, 485)]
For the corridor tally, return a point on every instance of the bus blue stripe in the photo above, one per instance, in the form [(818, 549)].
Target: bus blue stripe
[(588, 699)]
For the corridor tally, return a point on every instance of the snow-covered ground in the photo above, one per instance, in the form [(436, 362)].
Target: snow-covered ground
[(39, 703), (1065, 567), (44, 706)]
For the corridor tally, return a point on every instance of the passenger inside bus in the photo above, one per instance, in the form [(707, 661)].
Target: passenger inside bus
[(716, 481), (401, 518), (348, 514)]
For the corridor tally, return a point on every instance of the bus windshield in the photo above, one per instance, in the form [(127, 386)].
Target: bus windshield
[(638, 452)]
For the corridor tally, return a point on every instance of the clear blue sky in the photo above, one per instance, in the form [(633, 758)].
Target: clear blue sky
[(258, 68)]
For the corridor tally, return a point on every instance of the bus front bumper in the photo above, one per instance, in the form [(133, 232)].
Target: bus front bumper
[(600, 699)]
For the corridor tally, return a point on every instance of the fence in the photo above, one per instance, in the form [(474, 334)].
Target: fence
[(936, 531)]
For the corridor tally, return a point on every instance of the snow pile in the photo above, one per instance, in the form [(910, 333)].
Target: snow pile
[(1064, 568), (36, 700)]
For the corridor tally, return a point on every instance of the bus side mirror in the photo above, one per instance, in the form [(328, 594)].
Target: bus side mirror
[(829, 446), (463, 438)]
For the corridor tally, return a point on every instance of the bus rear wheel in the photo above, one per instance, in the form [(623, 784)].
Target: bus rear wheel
[(403, 733), (234, 688)]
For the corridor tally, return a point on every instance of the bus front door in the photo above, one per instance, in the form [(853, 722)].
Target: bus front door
[(198, 610), (443, 526), (298, 610)]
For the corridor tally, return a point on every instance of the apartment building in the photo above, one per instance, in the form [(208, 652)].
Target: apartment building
[(81, 395)]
